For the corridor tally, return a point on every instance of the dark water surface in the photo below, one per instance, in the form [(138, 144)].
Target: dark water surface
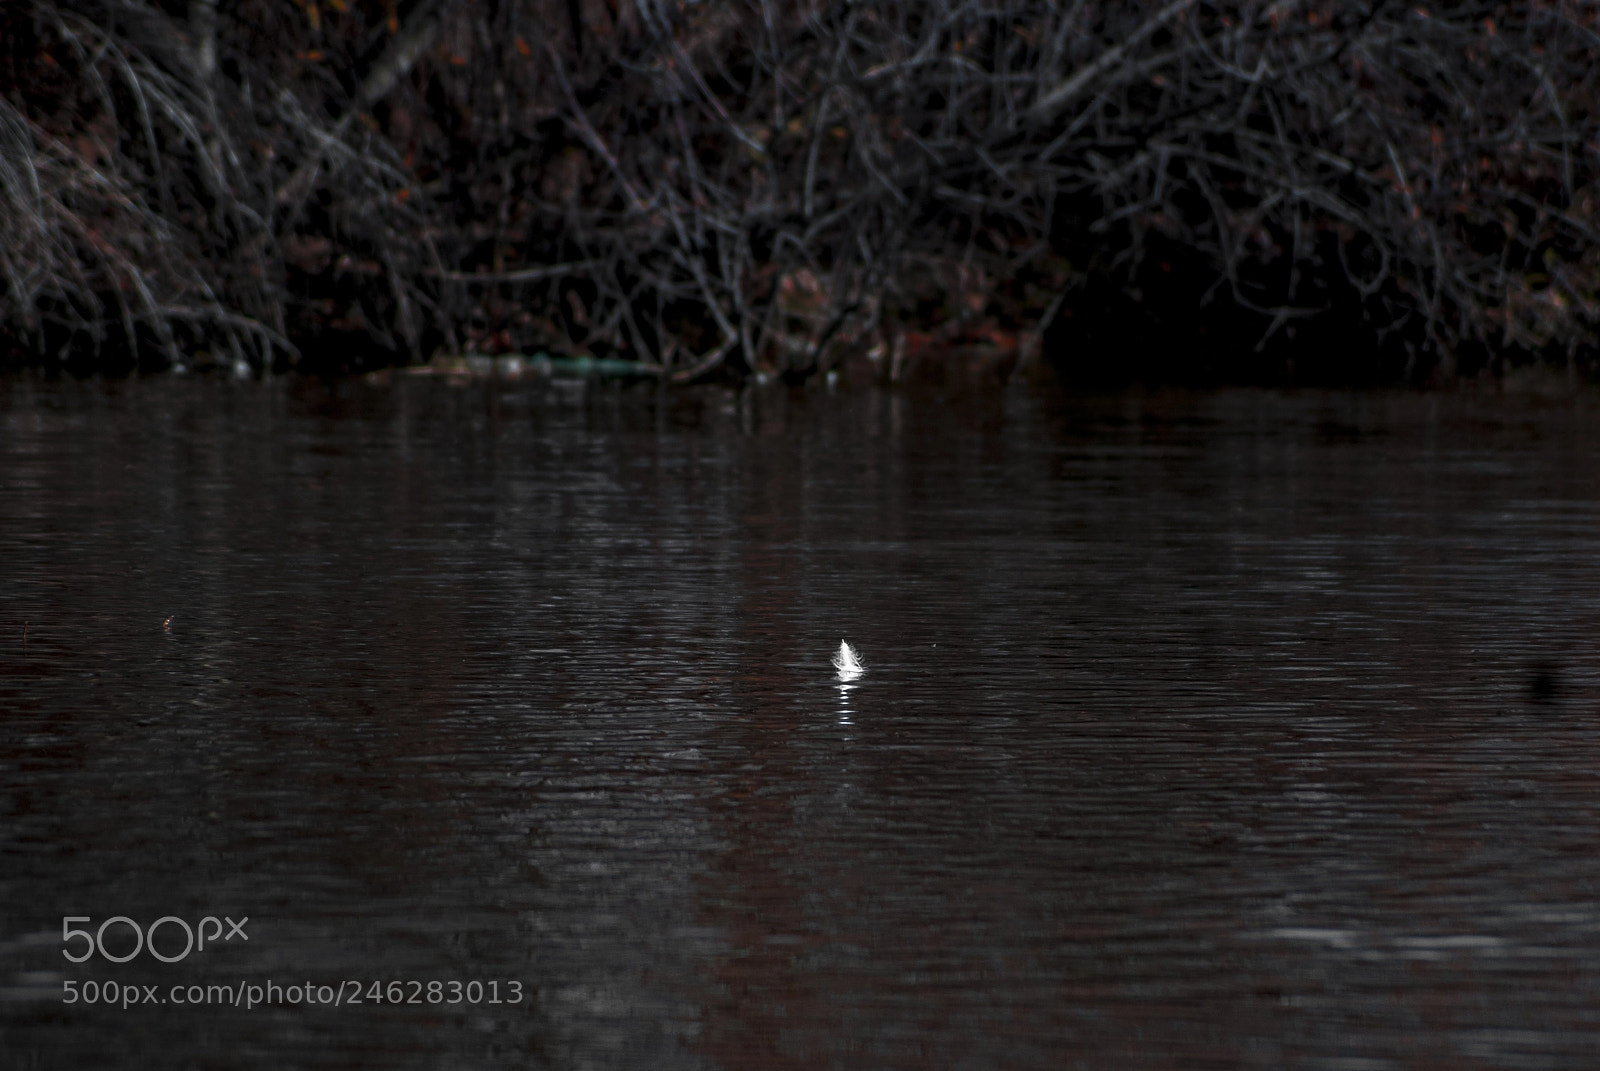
[(1202, 731)]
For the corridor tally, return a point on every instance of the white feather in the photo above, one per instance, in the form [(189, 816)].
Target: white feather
[(847, 662)]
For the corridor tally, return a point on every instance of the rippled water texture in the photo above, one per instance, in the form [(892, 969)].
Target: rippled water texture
[(1200, 731)]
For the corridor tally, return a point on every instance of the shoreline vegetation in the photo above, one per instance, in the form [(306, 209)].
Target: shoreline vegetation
[(1176, 191)]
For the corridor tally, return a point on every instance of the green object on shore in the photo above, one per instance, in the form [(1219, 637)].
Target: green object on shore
[(591, 366), (541, 364)]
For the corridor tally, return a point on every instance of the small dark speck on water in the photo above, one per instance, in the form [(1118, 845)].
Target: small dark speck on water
[(1544, 687)]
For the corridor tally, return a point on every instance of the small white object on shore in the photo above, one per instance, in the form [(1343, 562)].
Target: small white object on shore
[(847, 662)]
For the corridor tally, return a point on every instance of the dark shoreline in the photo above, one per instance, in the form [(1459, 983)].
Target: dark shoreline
[(1339, 193)]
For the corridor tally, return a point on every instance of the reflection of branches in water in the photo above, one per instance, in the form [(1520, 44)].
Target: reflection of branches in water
[(779, 180)]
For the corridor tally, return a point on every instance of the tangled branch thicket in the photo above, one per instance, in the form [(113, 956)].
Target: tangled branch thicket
[(719, 186)]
